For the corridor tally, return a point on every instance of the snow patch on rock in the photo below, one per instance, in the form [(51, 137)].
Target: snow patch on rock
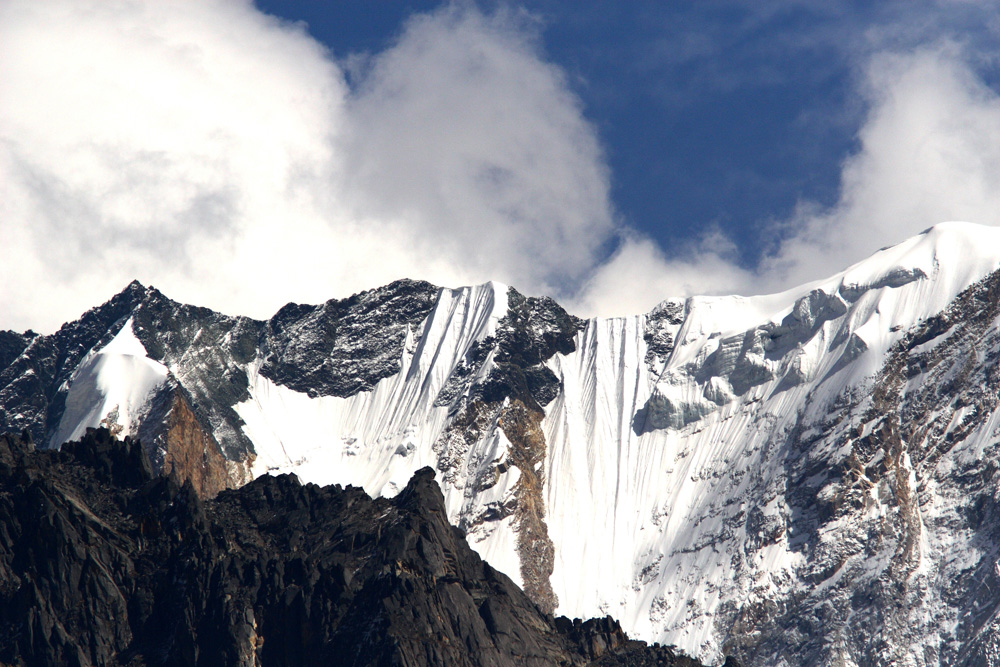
[(111, 387)]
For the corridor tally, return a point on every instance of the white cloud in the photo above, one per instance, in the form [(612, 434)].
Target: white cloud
[(639, 275), (466, 133), (929, 152), (218, 153), (136, 135)]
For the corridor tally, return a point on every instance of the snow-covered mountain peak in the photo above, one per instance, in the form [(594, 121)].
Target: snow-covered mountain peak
[(728, 346), (953, 255), (703, 435), (111, 387), (772, 476)]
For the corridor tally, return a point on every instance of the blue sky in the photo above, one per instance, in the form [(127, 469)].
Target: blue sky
[(242, 154), (710, 113), (703, 117)]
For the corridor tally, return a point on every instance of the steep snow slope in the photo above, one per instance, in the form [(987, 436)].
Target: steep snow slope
[(667, 448), (798, 478), (377, 439), (112, 385), (679, 464), (396, 421)]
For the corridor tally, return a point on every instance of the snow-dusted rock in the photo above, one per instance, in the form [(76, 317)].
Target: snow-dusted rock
[(799, 478)]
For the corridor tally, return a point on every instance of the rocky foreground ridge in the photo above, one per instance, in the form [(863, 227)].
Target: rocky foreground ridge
[(104, 563)]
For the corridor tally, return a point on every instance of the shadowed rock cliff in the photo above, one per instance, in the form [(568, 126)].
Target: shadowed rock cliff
[(103, 563)]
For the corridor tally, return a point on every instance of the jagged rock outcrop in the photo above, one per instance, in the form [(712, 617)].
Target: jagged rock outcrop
[(336, 349), (104, 563), (192, 454), (344, 346)]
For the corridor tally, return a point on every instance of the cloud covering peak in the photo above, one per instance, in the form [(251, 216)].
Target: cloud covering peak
[(220, 154), (230, 159)]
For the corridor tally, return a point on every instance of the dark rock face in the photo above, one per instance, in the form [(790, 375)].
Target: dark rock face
[(12, 344), (103, 563), (345, 346), (206, 350), (514, 393), (661, 323), (533, 330), (336, 349)]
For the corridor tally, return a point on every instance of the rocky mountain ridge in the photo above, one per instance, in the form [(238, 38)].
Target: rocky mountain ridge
[(773, 477), (104, 563)]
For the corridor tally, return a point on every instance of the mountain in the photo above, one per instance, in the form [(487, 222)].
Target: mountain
[(104, 563), (800, 478)]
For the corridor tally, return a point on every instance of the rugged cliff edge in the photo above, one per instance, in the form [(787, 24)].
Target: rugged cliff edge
[(104, 563)]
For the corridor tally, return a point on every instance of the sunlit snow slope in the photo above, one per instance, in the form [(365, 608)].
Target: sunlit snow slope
[(680, 461), (112, 385), (798, 478), (377, 439), (668, 447)]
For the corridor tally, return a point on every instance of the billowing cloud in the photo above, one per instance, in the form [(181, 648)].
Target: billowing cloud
[(640, 274), (225, 157), (153, 140), (219, 154), (929, 152), (464, 135)]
